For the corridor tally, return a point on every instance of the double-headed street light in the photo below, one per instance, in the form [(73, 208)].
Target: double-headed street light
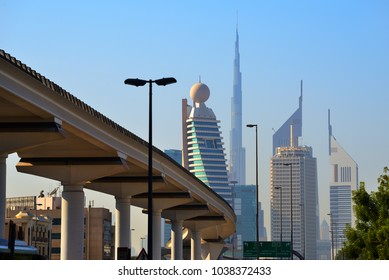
[(137, 83), (256, 182)]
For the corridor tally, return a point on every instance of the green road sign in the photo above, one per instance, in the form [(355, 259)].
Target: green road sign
[(249, 249), (266, 249)]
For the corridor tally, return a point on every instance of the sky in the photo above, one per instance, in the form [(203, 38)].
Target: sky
[(338, 48)]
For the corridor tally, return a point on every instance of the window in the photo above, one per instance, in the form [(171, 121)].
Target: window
[(238, 206), (210, 144), (345, 173), (56, 236), (56, 250), (336, 173)]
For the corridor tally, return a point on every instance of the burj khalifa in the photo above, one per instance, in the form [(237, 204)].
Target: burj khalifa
[(237, 165)]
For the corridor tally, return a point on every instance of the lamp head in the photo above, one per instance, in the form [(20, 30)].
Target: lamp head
[(165, 81), (135, 82)]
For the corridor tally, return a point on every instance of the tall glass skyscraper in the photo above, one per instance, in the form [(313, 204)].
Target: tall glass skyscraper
[(244, 203), (344, 180), (237, 164), (203, 151)]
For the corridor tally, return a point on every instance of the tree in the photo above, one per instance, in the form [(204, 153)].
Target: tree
[(369, 240)]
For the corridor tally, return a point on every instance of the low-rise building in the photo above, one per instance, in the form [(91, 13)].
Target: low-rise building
[(35, 230), (97, 226)]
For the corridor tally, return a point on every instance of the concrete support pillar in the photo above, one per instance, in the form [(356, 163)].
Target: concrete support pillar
[(211, 250), (3, 182), (72, 223), (122, 224), (157, 234), (195, 245), (176, 248)]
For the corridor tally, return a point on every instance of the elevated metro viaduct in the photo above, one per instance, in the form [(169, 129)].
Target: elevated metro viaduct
[(58, 136)]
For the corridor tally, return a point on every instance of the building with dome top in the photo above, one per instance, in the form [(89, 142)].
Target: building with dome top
[(203, 151)]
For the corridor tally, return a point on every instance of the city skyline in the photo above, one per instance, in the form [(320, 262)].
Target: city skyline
[(343, 61)]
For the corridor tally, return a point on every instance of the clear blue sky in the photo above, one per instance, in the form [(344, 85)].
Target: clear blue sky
[(339, 48)]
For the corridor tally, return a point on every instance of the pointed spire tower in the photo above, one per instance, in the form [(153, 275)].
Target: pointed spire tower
[(237, 165), (281, 138)]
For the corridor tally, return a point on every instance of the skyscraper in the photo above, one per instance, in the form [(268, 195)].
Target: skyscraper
[(237, 165), (203, 151), (244, 206), (344, 180), (294, 189), (324, 244), (293, 182), (324, 230), (281, 138), (175, 154)]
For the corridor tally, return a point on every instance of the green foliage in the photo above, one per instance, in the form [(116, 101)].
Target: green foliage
[(369, 240)]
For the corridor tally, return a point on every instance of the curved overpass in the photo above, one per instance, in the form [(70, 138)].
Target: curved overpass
[(58, 136)]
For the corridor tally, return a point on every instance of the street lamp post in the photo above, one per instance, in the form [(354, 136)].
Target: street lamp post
[(256, 182), (332, 236), (137, 83), (303, 223), (291, 208), (279, 188)]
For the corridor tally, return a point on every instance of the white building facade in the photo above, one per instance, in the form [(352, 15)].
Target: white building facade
[(294, 199), (344, 180)]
